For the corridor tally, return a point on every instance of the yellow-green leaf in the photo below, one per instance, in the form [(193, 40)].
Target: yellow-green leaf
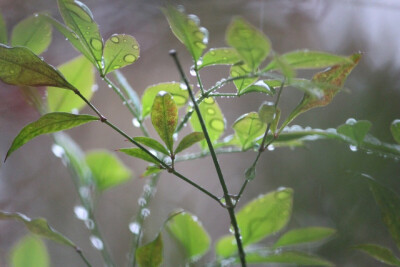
[(248, 128), (379, 253), (120, 50), (151, 254), (152, 143), (355, 130), (304, 235), (219, 56), (242, 70), (30, 251), (188, 141), (139, 153)]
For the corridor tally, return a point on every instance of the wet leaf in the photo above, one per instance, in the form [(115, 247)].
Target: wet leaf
[(164, 117), (19, 66), (177, 90), (289, 257), (151, 170), (274, 123), (30, 251), (305, 59), (251, 44), (304, 235), (190, 233), (139, 153), (130, 92), (331, 82), (37, 226), (80, 72), (355, 130), (287, 71), (248, 128), (79, 19), (48, 123), (213, 118), (108, 170), (258, 219), (266, 112), (151, 254), (395, 129), (188, 141), (379, 253), (389, 204), (242, 84), (33, 32), (260, 87), (186, 28), (152, 143), (120, 50), (3, 30), (219, 56), (250, 173)]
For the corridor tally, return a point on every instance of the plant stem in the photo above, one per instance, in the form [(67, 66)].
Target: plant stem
[(80, 253), (198, 78), (228, 201)]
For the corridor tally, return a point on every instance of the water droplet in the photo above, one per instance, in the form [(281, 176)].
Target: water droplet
[(199, 62), (75, 111), (353, 148), (116, 67), (282, 194), (109, 86), (296, 128), (210, 111), (134, 227), (89, 224), (142, 201), (136, 47), (115, 39), (213, 53), (96, 242), (57, 150), (130, 58), (147, 189), (175, 136), (351, 121), (183, 86), (84, 191), (152, 151), (231, 230), (193, 19), (271, 147), (209, 100), (205, 35), (36, 15), (81, 213), (200, 45), (12, 71), (217, 124), (145, 212), (95, 87), (96, 44), (192, 71)]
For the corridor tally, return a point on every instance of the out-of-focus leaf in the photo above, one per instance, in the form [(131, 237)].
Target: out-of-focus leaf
[(151, 254), (219, 56), (355, 130), (305, 59), (248, 127), (258, 219), (164, 117), (266, 112), (128, 90), (304, 235), (3, 30), (242, 70), (259, 86), (138, 153), (274, 123), (251, 44), (30, 251), (213, 118), (188, 141), (119, 51), (151, 170), (152, 143), (177, 90), (19, 66), (80, 72), (395, 129), (190, 233), (379, 253), (48, 123), (79, 19), (283, 66), (33, 32), (37, 226), (288, 257), (186, 28), (107, 169)]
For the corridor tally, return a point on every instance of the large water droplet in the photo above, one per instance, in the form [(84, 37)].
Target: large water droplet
[(96, 44), (95, 87), (134, 227), (210, 111), (194, 19), (175, 136), (217, 124), (183, 86), (351, 121), (129, 58), (205, 34), (200, 45), (145, 212), (142, 201), (192, 71), (209, 100), (136, 122), (353, 148), (115, 39), (271, 147), (81, 213), (96, 242), (57, 150), (89, 224), (199, 62), (75, 111)]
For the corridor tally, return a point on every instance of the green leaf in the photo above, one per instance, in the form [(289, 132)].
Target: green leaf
[(164, 117), (389, 204), (219, 56), (287, 71), (30, 251), (177, 90), (266, 112), (190, 233), (152, 143), (33, 32), (289, 257), (128, 90), (188, 141), (355, 130), (80, 72), (3, 30), (305, 59), (107, 169), (395, 129), (120, 50), (379, 253), (242, 70), (258, 219), (48, 123), (248, 128), (38, 226), (79, 19), (331, 82), (250, 173), (19, 66), (304, 235), (274, 123), (151, 170), (259, 87), (151, 254), (186, 29), (213, 118), (139, 153), (251, 44)]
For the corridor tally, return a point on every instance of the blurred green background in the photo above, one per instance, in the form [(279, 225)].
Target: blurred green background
[(327, 192)]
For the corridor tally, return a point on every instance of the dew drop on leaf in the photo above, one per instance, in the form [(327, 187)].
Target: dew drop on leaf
[(142, 202), (353, 148), (183, 86), (134, 227), (115, 39), (217, 124), (210, 111), (129, 58), (95, 87), (96, 44), (192, 71), (89, 224), (81, 213), (96, 242), (57, 150), (271, 148), (351, 121), (200, 45), (145, 212)]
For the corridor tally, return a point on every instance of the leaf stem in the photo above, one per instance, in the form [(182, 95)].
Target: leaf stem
[(80, 253), (228, 200)]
